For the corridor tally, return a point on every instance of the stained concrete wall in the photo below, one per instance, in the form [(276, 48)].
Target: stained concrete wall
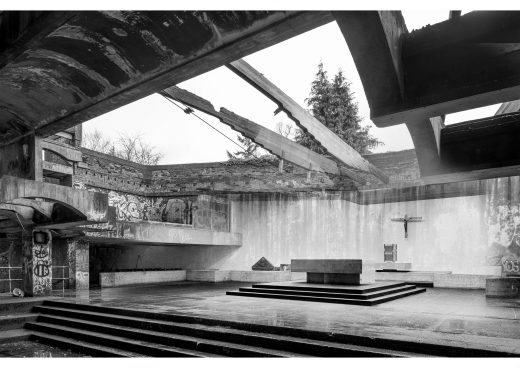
[(452, 237)]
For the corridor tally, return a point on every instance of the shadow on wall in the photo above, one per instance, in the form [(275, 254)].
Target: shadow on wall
[(145, 257)]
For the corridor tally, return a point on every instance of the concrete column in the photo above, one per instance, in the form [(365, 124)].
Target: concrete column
[(37, 264), (78, 256), (23, 158)]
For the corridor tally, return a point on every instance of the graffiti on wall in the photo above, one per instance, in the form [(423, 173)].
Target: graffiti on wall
[(135, 208), (504, 233), (41, 264), (203, 211)]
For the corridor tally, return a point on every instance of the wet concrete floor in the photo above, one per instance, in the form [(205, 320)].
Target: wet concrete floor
[(445, 316)]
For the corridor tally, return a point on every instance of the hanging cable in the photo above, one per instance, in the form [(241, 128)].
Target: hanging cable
[(189, 110)]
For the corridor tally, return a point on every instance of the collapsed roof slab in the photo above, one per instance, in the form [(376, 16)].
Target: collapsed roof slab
[(275, 143), (334, 145)]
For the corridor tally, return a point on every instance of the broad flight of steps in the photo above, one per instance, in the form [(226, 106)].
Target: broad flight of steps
[(369, 295), (116, 332)]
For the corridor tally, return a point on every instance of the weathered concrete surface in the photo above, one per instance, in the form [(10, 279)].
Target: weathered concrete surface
[(82, 205), (397, 266), (330, 265), (97, 61), (164, 233), (78, 258), (503, 287), (336, 271), (439, 316), (207, 275), (460, 281), (22, 159), (113, 279)]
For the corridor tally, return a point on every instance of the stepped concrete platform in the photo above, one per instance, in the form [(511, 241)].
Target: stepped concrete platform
[(372, 294), (445, 322)]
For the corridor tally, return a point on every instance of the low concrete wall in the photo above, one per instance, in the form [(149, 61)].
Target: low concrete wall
[(207, 275), (260, 276), (459, 281), (412, 276), (503, 287), (112, 279)]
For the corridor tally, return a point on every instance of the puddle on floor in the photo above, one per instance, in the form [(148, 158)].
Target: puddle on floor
[(33, 349)]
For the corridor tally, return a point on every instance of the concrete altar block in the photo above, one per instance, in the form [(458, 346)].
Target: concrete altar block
[(336, 271)]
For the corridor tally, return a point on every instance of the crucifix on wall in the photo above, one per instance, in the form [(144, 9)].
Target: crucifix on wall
[(406, 220)]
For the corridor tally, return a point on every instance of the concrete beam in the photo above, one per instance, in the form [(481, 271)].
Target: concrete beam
[(99, 61), (45, 208), (329, 140), (57, 168), (426, 137), (495, 172), (23, 30), (89, 206), (375, 40), (459, 64), (70, 154), (508, 107), (275, 143), (481, 144)]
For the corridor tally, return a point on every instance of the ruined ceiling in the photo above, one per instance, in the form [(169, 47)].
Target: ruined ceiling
[(58, 69)]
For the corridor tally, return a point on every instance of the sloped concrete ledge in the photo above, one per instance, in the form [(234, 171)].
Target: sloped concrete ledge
[(164, 233)]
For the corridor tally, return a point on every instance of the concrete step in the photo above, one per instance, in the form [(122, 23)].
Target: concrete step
[(16, 321), (12, 305), (345, 289), (281, 334), (324, 293), (19, 334), (80, 346), (167, 338), (300, 297), (292, 346), (121, 343), (402, 294)]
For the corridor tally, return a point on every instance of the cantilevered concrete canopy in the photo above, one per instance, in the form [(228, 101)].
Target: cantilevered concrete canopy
[(58, 69)]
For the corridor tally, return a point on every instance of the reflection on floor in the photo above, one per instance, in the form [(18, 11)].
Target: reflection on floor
[(447, 316)]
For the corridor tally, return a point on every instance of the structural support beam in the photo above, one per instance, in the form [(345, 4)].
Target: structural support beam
[(426, 137), (483, 49), (482, 67), (508, 107), (334, 145), (275, 143), (375, 41)]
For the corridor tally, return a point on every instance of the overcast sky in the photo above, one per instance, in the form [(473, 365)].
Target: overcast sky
[(291, 65)]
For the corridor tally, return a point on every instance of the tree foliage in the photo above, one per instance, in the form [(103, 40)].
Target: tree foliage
[(250, 149), (333, 104), (126, 146)]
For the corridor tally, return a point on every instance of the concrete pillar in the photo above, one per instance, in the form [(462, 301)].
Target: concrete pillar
[(37, 264), (78, 256), (23, 158)]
